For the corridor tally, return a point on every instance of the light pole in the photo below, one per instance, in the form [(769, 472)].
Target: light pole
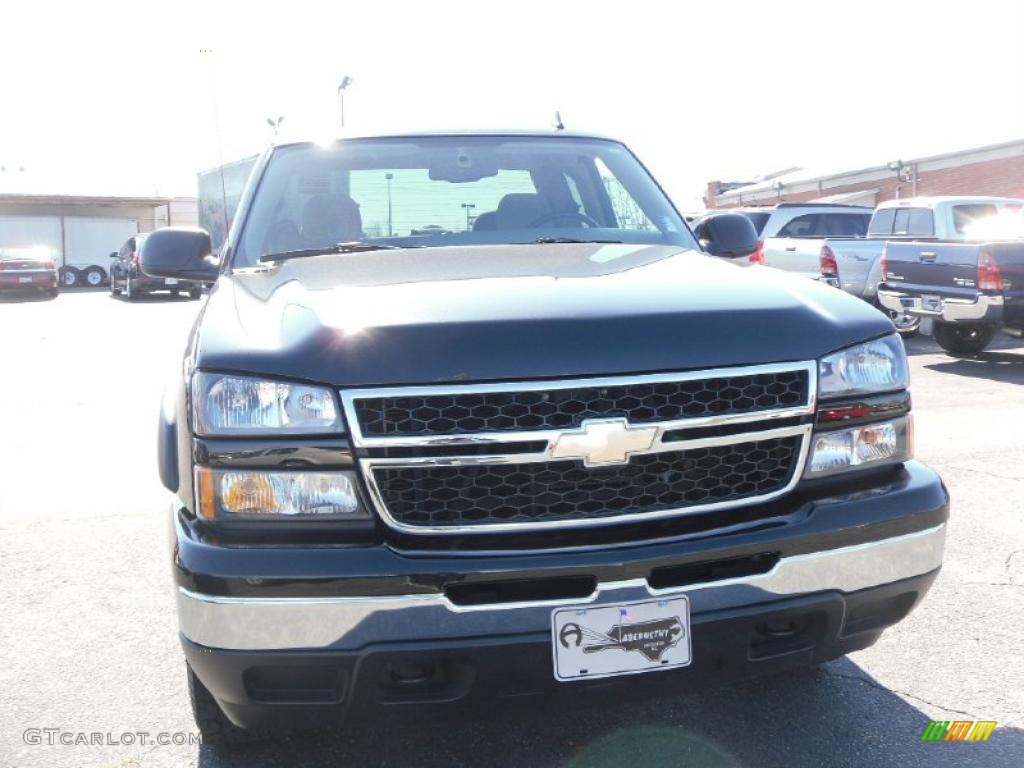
[(388, 177), (346, 81), (469, 214), (275, 124)]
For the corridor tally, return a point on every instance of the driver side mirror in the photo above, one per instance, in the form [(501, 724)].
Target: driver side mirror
[(730, 235), (113, 254), (180, 252)]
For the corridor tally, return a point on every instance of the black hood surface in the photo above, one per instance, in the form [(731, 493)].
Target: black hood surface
[(479, 313)]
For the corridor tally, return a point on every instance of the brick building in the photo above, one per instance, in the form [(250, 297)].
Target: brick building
[(997, 169)]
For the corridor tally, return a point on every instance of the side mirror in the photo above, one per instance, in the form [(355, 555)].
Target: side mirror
[(727, 234), (181, 252), (113, 254)]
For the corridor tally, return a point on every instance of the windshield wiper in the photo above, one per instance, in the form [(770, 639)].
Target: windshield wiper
[(549, 240), (355, 246)]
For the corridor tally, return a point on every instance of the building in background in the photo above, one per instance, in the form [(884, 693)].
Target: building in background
[(997, 169)]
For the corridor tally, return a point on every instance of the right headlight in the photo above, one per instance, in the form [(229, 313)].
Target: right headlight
[(230, 494), (227, 405), (869, 368)]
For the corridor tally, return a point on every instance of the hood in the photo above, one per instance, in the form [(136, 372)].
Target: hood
[(478, 313)]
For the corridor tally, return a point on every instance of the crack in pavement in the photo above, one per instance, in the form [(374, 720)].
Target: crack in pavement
[(980, 472), (875, 684)]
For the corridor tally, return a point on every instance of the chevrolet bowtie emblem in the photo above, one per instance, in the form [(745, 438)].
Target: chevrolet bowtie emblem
[(603, 441)]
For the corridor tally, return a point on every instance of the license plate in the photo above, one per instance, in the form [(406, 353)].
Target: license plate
[(170, 281), (24, 279), (931, 303), (622, 639)]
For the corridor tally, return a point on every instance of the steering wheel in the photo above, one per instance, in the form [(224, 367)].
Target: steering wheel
[(582, 218)]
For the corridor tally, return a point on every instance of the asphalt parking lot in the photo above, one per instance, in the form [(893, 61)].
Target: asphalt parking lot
[(88, 638)]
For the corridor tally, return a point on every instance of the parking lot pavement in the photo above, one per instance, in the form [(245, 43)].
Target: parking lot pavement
[(88, 638)]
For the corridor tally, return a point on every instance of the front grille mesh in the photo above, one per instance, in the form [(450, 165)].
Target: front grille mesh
[(415, 415), (563, 491)]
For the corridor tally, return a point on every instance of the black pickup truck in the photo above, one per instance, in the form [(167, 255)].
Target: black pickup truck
[(965, 289), (476, 416)]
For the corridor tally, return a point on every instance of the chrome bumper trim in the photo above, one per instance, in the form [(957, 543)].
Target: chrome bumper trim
[(983, 307), (346, 623)]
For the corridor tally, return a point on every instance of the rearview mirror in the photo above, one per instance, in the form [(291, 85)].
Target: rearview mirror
[(727, 234), (180, 252)]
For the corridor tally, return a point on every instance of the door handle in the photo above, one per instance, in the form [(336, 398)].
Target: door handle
[(928, 255), (791, 248)]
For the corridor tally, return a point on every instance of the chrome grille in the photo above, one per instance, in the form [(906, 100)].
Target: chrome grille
[(560, 408), (521, 456), (565, 491)]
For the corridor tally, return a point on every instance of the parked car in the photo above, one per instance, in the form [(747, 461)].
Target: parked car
[(28, 269), (964, 290), (558, 451), (856, 264), (127, 279), (796, 245)]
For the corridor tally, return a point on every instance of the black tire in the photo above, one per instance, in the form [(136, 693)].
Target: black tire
[(963, 338), (213, 724), (114, 290), (70, 277), (94, 277), (129, 294)]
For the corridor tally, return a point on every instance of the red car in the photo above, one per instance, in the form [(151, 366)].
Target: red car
[(28, 269)]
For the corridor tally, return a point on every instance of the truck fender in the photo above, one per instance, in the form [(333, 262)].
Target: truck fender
[(167, 442)]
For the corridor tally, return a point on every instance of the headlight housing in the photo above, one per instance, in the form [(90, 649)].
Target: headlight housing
[(872, 367), (227, 405), (258, 495), (869, 445)]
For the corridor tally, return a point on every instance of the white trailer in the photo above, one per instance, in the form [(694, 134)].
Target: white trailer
[(81, 245)]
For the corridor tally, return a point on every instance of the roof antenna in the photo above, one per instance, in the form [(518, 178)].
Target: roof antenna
[(559, 125)]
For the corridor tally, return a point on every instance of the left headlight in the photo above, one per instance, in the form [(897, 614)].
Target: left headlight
[(876, 366), (248, 494), (225, 405)]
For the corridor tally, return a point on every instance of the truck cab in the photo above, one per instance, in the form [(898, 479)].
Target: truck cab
[(472, 415)]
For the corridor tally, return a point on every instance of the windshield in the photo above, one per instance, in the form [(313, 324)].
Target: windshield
[(440, 191)]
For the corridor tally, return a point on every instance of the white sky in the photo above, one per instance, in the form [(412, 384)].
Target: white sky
[(107, 97)]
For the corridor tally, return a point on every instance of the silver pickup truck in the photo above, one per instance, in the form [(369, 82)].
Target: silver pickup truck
[(855, 264), (968, 281)]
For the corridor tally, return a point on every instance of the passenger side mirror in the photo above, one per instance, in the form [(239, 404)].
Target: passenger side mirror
[(727, 234), (180, 252), (113, 254)]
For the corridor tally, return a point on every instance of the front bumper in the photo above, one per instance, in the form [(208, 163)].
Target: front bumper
[(330, 627), (982, 308), (294, 623)]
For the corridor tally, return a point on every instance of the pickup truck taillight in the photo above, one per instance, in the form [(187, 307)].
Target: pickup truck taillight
[(829, 266), (990, 277), (135, 263), (757, 257)]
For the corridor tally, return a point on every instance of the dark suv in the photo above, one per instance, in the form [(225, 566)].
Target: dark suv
[(468, 416), (127, 278)]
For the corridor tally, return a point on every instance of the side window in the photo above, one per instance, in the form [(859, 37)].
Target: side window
[(628, 213), (882, 221), (807, 225), (845, 225), (913, 222)]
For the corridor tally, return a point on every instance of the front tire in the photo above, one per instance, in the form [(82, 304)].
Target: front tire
[(213, 724), (963, 338)]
